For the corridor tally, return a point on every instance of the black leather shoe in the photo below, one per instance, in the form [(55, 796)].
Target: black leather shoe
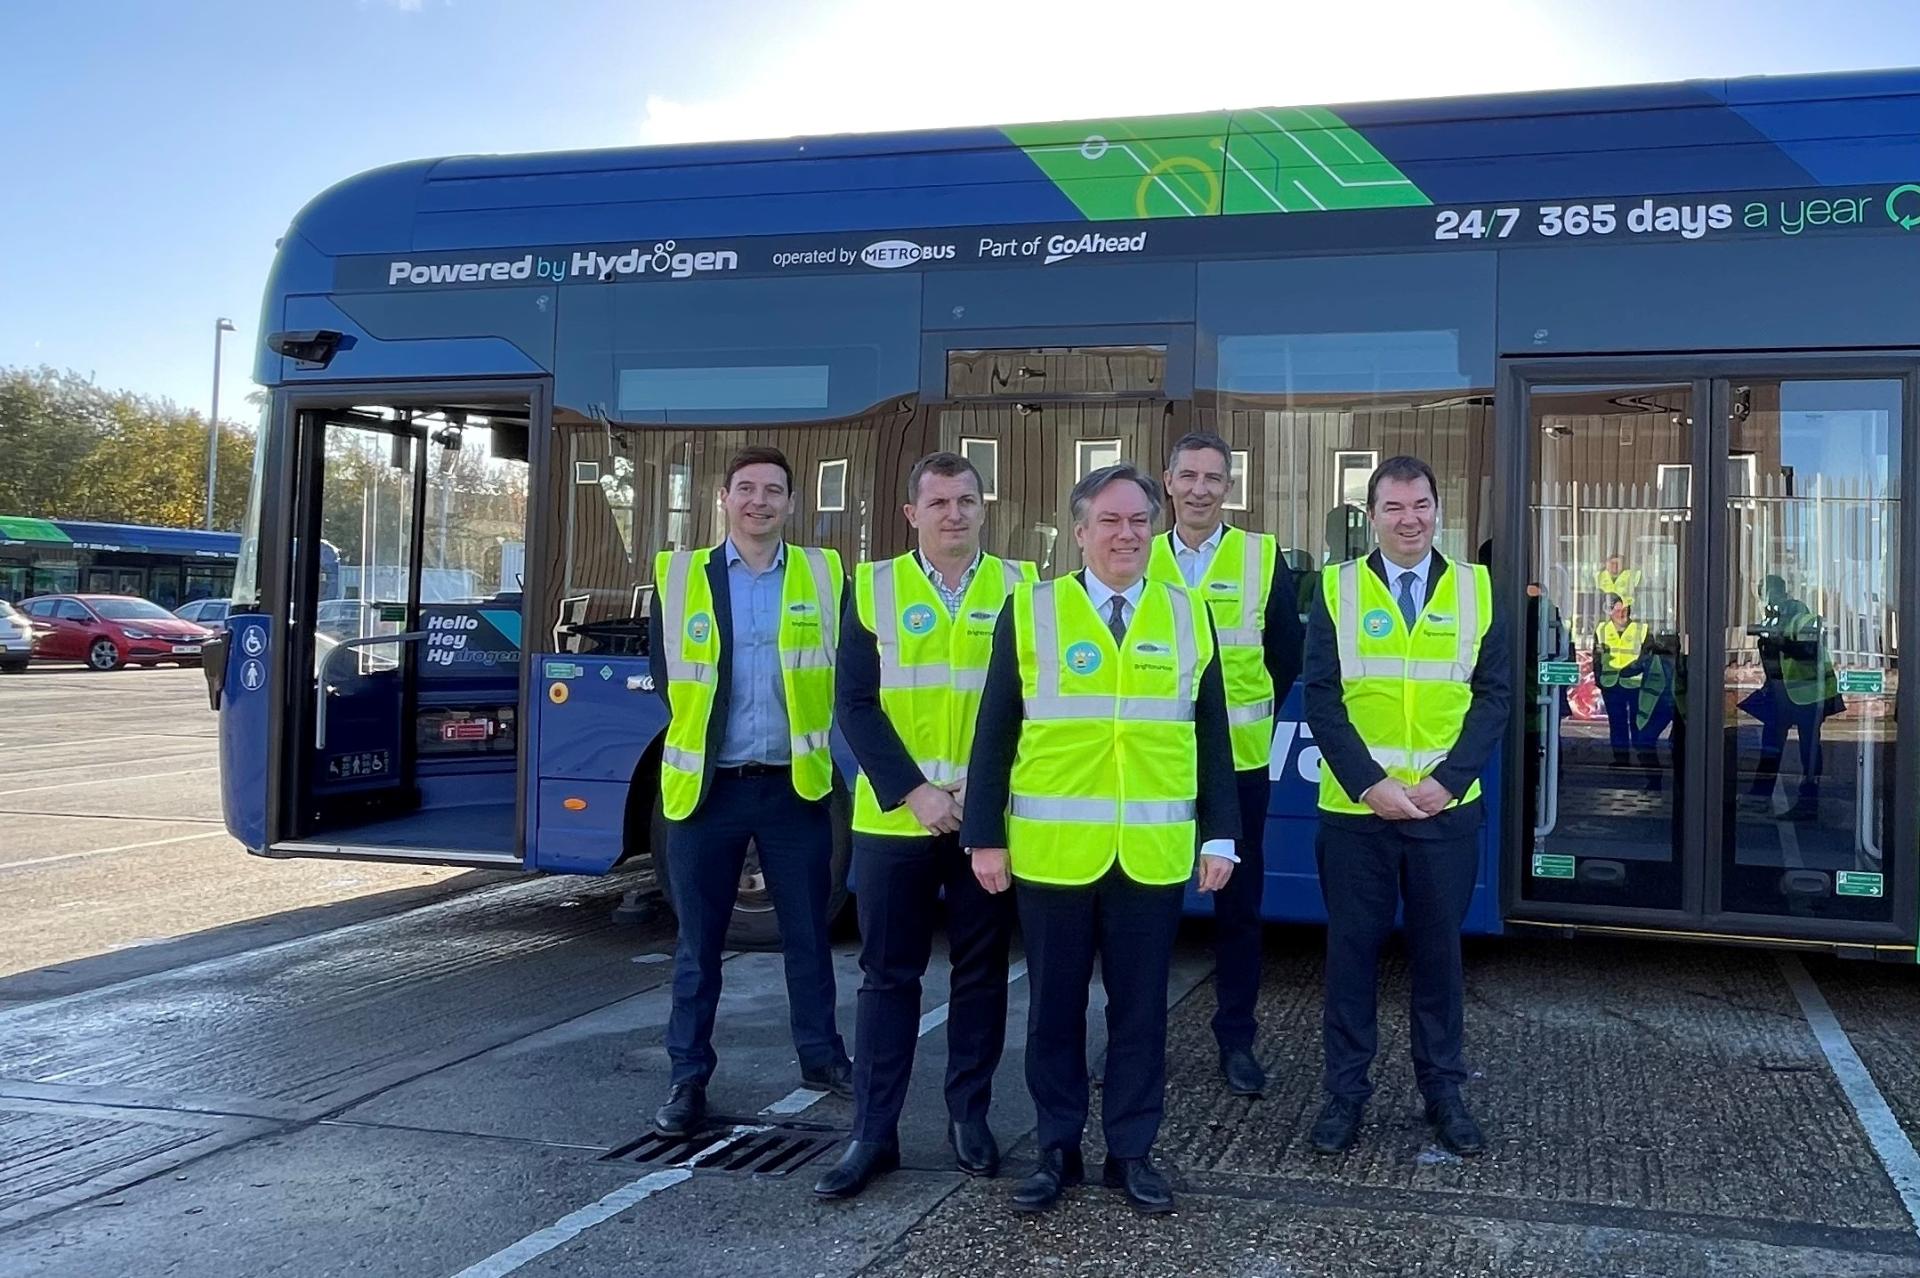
[(975, 1152), (685, 1110), (1455, 1127), (1338, 1126), (835, 1080), (1243, 1073), (1058, 1170), (1146, 1186), (864, 1160)]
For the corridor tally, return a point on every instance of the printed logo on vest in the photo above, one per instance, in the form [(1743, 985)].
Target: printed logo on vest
[(699, 626), (1222, 587), (917, 619), (801, 608), (1083, 658), (1152, 649), (980, 614), (1378, 624)]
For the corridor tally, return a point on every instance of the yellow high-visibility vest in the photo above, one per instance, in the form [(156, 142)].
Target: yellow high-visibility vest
[(932, 669), (1620, 647), (1407, 693), (1809, 680), (809, 637), (1621, 584), (1235, 588), (1106, 766)]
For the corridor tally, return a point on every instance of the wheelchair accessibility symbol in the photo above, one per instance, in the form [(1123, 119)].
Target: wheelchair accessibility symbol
[(253, 641)]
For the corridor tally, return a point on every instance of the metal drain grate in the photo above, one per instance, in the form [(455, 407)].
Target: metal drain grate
[(749, 1149)]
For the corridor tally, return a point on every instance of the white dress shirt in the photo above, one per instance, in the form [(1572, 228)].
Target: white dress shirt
[(1101, 593), (1194, 561)]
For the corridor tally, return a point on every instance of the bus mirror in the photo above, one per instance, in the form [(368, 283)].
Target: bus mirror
[(310, 348)]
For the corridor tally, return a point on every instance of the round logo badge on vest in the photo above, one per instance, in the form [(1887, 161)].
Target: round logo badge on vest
[(699, 626), (917, 619), (1378, 624), (1083, 658)]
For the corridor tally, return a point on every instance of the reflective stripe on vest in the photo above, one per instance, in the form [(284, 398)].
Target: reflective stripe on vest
[(1105, 768), (809, 631), (933, 667), (1235, 588), (1406, 693)]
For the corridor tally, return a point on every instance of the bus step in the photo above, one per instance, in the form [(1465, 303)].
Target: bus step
[(737, 1148)]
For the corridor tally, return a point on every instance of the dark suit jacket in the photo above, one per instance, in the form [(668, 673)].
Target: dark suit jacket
[(1342, 750), (723, 690), (1281, 635), (997, 736)]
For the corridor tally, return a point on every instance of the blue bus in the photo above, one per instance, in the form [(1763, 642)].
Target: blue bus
[(1659, 343), (170, 566)]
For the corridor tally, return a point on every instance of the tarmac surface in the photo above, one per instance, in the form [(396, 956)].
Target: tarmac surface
[(212, 1064)]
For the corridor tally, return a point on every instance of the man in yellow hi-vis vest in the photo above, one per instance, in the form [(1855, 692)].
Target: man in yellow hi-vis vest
[(1618, 643), (913, 660), (744, 637), (1101, 761), (1248, 588), (1407, 692)]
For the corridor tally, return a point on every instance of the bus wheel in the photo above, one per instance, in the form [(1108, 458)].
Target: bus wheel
[(102, 655), (754, 925)]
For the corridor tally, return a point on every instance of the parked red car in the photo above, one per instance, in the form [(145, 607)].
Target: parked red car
[(110, 631)]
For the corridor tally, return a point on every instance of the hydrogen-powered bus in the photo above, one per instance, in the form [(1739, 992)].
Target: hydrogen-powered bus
[(1659, 343), (170, 566)]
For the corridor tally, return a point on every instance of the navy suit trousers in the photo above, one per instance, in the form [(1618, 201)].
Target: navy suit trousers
[(1129, 927), (1365, 875), (1236, 918), (898, 884), (706, 853)]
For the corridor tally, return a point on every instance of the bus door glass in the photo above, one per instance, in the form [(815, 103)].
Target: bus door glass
[(1809, 668), (1606, 632), (1759, 795), (367, 482)]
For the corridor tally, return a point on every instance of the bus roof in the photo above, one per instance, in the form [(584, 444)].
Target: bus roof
[(135, 538), (1723, 136)]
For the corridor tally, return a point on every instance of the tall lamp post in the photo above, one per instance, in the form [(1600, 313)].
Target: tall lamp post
[(221, 327)]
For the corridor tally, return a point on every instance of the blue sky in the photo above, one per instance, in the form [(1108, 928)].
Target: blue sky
[(153, 152)]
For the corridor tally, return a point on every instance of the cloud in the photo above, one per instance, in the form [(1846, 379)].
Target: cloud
[(879, 65)]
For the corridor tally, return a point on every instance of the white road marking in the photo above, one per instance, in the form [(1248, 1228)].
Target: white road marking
[(124, 847), (1889, 1140), (572, 1225), (96, 780), (801, 1099)]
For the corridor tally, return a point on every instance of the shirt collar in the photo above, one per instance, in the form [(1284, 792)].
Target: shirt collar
[(1211, 543), (1100, 592), (733, 555), (1421, 571), (933, 574)]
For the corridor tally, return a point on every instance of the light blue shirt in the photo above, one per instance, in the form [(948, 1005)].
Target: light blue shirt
[(756, 729)]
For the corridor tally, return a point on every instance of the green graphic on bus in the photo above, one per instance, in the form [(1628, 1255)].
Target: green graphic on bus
[(1269, 160), (1858, 883), (1547, 866)]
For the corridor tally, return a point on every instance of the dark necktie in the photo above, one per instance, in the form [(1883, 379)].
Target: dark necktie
[(1408, 608), (1115, 622)]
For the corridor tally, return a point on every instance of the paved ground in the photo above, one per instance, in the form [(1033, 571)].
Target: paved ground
[(435, 1078)]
